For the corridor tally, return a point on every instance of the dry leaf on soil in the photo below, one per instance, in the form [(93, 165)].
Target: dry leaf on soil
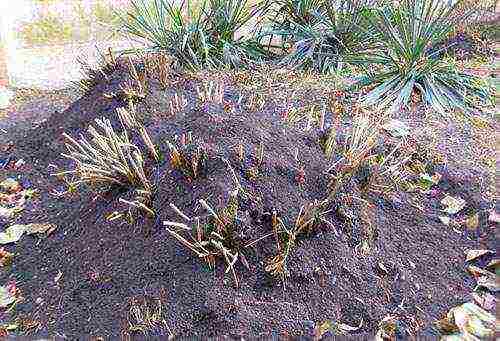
[(6, 297), (484, 278), (9, 212), (14, 233), (472, 222), (484, 300), (5, 257), (452, 205), (387, 328), (473, 254), (335, 328), (10, 185), (467, 322), (40, 228)]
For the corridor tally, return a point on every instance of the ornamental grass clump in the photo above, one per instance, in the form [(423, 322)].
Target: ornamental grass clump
[(107, 156)]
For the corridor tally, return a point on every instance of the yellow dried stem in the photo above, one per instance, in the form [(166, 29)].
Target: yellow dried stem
[(240, 152)]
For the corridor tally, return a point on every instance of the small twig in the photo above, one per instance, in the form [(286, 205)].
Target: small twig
[(179, 212)]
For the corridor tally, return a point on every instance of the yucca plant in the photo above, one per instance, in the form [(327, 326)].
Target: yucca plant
[(285, 14), (195, 37), (408, 64), (322, 34)]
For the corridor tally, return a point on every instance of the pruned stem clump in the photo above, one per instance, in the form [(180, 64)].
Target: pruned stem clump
[(189, 157), (107, 157), (213, 236)]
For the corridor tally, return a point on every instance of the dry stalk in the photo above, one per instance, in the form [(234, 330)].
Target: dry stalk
[(216, 238), (189, 159), (129, 120), (364, 138), (177, 103), (211, 92), (309, 218)]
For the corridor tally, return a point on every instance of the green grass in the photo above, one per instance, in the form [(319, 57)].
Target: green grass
[(46, 30)]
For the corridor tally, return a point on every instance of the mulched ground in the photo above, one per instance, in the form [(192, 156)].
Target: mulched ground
[(85, 277)]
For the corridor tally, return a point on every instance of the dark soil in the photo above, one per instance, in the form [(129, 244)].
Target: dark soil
[(109, 267)]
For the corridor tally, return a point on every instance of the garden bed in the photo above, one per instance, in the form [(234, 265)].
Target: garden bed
[(93, 276)]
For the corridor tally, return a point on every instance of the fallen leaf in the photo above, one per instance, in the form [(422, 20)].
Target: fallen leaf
[(489, 281), (477, 271), (321, 329), (484, 300), (467, 322), (343, 329), (484, 278), (5, 257), (10, 185), (493, 264), (452, 205), (7, 296), (478, 321), (9, 212), (445, 220), (335, 328), (446, 326), (472, 222), (387, 328), (12, 234), (473, 254), (40, 228), (6, 96), (5, 328)]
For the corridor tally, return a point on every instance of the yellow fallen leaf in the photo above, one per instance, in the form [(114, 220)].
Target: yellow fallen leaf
[(387, 328), (321, 329), (467, 322), (452, 205), (12, 234), (40, 228), (472, 222)]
